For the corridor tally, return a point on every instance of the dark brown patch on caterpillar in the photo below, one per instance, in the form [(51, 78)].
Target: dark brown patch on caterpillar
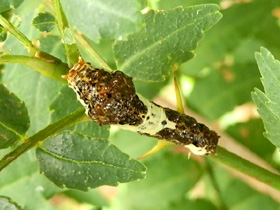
[(110, 98), (189, 131)]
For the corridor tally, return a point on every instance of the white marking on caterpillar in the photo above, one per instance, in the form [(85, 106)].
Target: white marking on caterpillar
[(152, 122), (197, 150)]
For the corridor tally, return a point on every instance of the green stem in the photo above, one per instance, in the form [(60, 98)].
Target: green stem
[(95, 57), (72, 51), (51, 129), (20, 36), (209, 168), (48, 69), (246, 167), (179, 99), (153, 4)]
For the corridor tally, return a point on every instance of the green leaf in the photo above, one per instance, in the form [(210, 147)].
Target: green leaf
[(169, 177), (36, 90), (65, 103), (1, 70), (250, 135), (91, 129), (53, 45), (192, 204), (14, 120), (104, 49), (268, 102), (237, 195), (132, 143), (168, 40), (107, 19), (68, 37), (3, 34), (7, 204), (23, 176), (259, 202), (33, 88), (221, 90), (79, 162), (9, 4), (230, 32), (44, 22), (16, 20), (167, 4), (143, 3), (149, 89), (244, 51), (93, 197)]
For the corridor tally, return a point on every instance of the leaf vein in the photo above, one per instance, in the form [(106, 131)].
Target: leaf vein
[(156, 42), (12, 130), (114, 12), (81, 162)]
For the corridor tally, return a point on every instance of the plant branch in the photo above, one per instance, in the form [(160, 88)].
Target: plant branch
[(95, 57), (48, 69), (20, 36), (246, 167), (71, 49), (209, 168), (179, 99), (77, 116)]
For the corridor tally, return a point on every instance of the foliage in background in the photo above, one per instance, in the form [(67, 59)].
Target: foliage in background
[(268, 102), (149, 47)]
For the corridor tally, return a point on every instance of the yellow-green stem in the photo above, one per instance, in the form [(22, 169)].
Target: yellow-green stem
[(179, 99), (51, 129), (51, 70), (18, 35), (246, 167), (72, 51), (95, 57)]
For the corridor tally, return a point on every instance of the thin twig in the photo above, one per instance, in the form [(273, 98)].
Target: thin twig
[(246, 167), (72, 51), (18, 35), (48, 69), (51, 129), (95, 57), (222, 205)]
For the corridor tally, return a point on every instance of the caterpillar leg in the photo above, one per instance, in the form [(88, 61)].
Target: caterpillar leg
[(161, 144)]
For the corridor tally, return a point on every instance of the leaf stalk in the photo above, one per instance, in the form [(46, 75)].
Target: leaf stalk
[(95, 57), (48, 69), (30, 142), (246, 167), (20, 36), (72, 51)]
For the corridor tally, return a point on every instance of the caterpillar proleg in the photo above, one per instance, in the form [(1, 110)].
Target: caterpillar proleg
[(110, 99)]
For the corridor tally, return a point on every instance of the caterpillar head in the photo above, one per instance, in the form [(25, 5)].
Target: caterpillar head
[(204, 145)]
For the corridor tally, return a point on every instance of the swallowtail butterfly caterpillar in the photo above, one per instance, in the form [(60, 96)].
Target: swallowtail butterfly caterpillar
[(110, 99)]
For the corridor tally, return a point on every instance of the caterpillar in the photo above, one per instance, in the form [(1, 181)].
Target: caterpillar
[(110, 98)]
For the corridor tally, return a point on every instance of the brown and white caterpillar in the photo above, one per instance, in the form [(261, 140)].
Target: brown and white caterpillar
[(110, 99)]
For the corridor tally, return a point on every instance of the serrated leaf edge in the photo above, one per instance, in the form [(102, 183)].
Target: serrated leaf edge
[(22, 102), (132, 58)]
